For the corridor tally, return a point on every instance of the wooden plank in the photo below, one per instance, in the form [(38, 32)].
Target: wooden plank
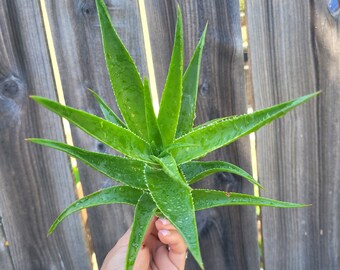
[(326, 52), (227, 235), (35, 184), (294, 51), (5, 256), (77, 40)]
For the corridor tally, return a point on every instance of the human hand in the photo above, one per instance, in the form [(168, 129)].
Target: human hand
[(163, 248)]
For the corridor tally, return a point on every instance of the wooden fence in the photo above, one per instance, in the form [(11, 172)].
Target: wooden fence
[(294, 49)]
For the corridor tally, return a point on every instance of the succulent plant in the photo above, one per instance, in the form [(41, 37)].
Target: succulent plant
[(158, 166)]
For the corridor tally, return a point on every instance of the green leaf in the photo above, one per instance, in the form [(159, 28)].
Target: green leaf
[(127, 171), (168, 163), (124, 76), (224, 131), (151, 120), (145, 209), (204, 199), (121, 139), (196, 170), (172, 95), (173, 198), (107, 112), (178, 145), (116, 194), (190, 86)]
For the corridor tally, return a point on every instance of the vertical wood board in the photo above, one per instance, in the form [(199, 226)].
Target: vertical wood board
[(35, 184), (325, 30), (294, 49)]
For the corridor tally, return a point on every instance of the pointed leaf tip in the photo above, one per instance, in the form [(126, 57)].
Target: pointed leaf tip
[(151, 120), (127, 171), (190, 87), (116, 194), (121, 139), (196, 170), (124, 76), (170, 105), (221, 132), (107, 111), (205, 199)]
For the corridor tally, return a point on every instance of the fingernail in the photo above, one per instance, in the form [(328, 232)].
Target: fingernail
[(164, 232), (164, 221)]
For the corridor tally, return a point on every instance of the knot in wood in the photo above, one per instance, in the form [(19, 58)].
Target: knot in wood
[(12, 96), (9, 87), (101, 147), (87, 8), (204, 89)]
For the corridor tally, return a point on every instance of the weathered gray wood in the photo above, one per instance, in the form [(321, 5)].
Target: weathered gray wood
[(227, 235), (77, 39), (5, 256), (35, 184), (295, 50)]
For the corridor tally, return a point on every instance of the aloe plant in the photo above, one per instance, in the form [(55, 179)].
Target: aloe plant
[(161, 152)]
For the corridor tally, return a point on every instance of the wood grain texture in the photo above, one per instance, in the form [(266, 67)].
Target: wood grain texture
[(77, 39), (326, 53), (35, 184), (227, 235), (5, 256), (294, 51)]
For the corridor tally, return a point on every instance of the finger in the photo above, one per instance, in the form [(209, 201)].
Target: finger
[(174, 240), (151, 237), (151, 227), (168, 235), (153, 266), (143, 259), (164, 224), (163, 261), (144, 256)]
